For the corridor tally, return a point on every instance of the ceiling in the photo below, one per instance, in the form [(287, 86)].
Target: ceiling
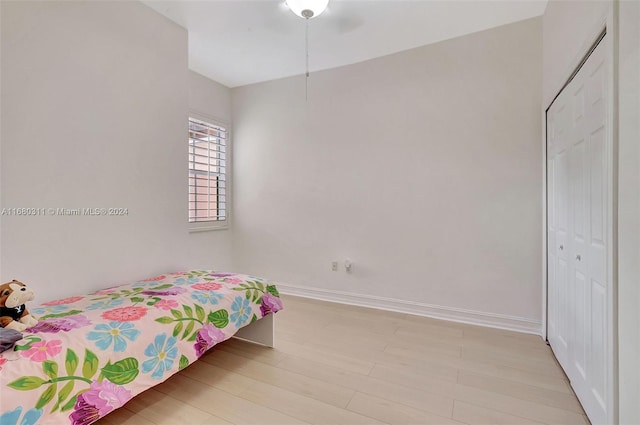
[(238, 42)]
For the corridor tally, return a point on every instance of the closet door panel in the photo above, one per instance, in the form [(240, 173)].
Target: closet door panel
[(598, 236), (552, 248), (579, 231), (564, 303)]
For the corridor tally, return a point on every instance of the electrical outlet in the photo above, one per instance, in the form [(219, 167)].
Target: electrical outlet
[(348, 265), (334, 266)]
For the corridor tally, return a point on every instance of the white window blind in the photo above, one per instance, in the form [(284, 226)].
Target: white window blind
[(207, 172)]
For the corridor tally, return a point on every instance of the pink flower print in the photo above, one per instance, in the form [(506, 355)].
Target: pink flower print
[(102, 398), (209, 286), (55, 325), (207, 337), (125, 314), (2, 361), (167, 304), (69, 300), (233, 280), (42, 350), (154, 279), (270, 304), (106, 396), (84, 413)]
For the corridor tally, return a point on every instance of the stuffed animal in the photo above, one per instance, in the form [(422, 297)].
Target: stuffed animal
[(8, 337), (13, 311)]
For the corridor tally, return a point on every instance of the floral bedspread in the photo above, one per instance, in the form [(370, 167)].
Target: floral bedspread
[(89, 355)]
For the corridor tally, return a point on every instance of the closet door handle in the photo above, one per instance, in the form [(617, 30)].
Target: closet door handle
[(578, 257), (561, 247)]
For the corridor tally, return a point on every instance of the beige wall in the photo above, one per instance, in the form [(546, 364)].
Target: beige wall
[(95, 101), (422, 167)]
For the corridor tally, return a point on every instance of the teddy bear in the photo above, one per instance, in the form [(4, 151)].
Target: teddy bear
[(13, 311)]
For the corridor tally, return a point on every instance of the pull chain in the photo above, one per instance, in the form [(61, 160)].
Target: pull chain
[(306, 47)]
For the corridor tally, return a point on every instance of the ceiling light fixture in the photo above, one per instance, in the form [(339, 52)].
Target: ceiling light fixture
[(307, 9)]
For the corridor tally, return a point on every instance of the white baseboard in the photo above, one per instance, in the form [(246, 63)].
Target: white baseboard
[(472, 317)]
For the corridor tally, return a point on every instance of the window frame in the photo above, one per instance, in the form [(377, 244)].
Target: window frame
[(204, 226)]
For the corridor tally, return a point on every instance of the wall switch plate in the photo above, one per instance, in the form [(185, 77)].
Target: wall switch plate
[(334, 266)]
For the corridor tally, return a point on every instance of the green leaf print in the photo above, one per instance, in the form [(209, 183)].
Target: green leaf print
[(72, 402), (63, 394), (50, 368), (273, 290), (219, 318), (165, 320), (30, 341), (254, 290), (70, 362), (90, 364), (188, 329), (200, 313), (178, 328), (184, 362), (47, 396), (121, 372), (65, 314), (26, 383), (187, 310)]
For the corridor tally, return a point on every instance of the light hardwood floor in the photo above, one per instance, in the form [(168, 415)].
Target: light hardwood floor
[(337, 364)]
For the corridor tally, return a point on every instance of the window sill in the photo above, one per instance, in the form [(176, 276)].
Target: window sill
[(207, 227)]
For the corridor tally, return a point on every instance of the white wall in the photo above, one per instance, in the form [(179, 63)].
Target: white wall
[(95, 100), (422, 167), (1, 103), (629, 211), (569, 28), (212, 100), (209, 97)]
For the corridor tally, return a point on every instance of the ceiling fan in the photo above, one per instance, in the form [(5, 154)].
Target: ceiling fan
[(307, 8)]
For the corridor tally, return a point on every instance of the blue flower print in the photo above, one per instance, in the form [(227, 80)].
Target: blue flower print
[(205, 297), (186, 280), (148, 283), (163, 352), (30, 417), (114, 333), (259, 279), (44, 311), (241, 310), (105, 304)]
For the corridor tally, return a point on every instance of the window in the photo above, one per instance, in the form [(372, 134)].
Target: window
[(207, 173)]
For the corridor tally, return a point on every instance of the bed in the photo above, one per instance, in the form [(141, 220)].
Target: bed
[(90, 354)]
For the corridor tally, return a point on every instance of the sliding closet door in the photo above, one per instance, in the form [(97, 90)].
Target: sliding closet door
[(579, 226)]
